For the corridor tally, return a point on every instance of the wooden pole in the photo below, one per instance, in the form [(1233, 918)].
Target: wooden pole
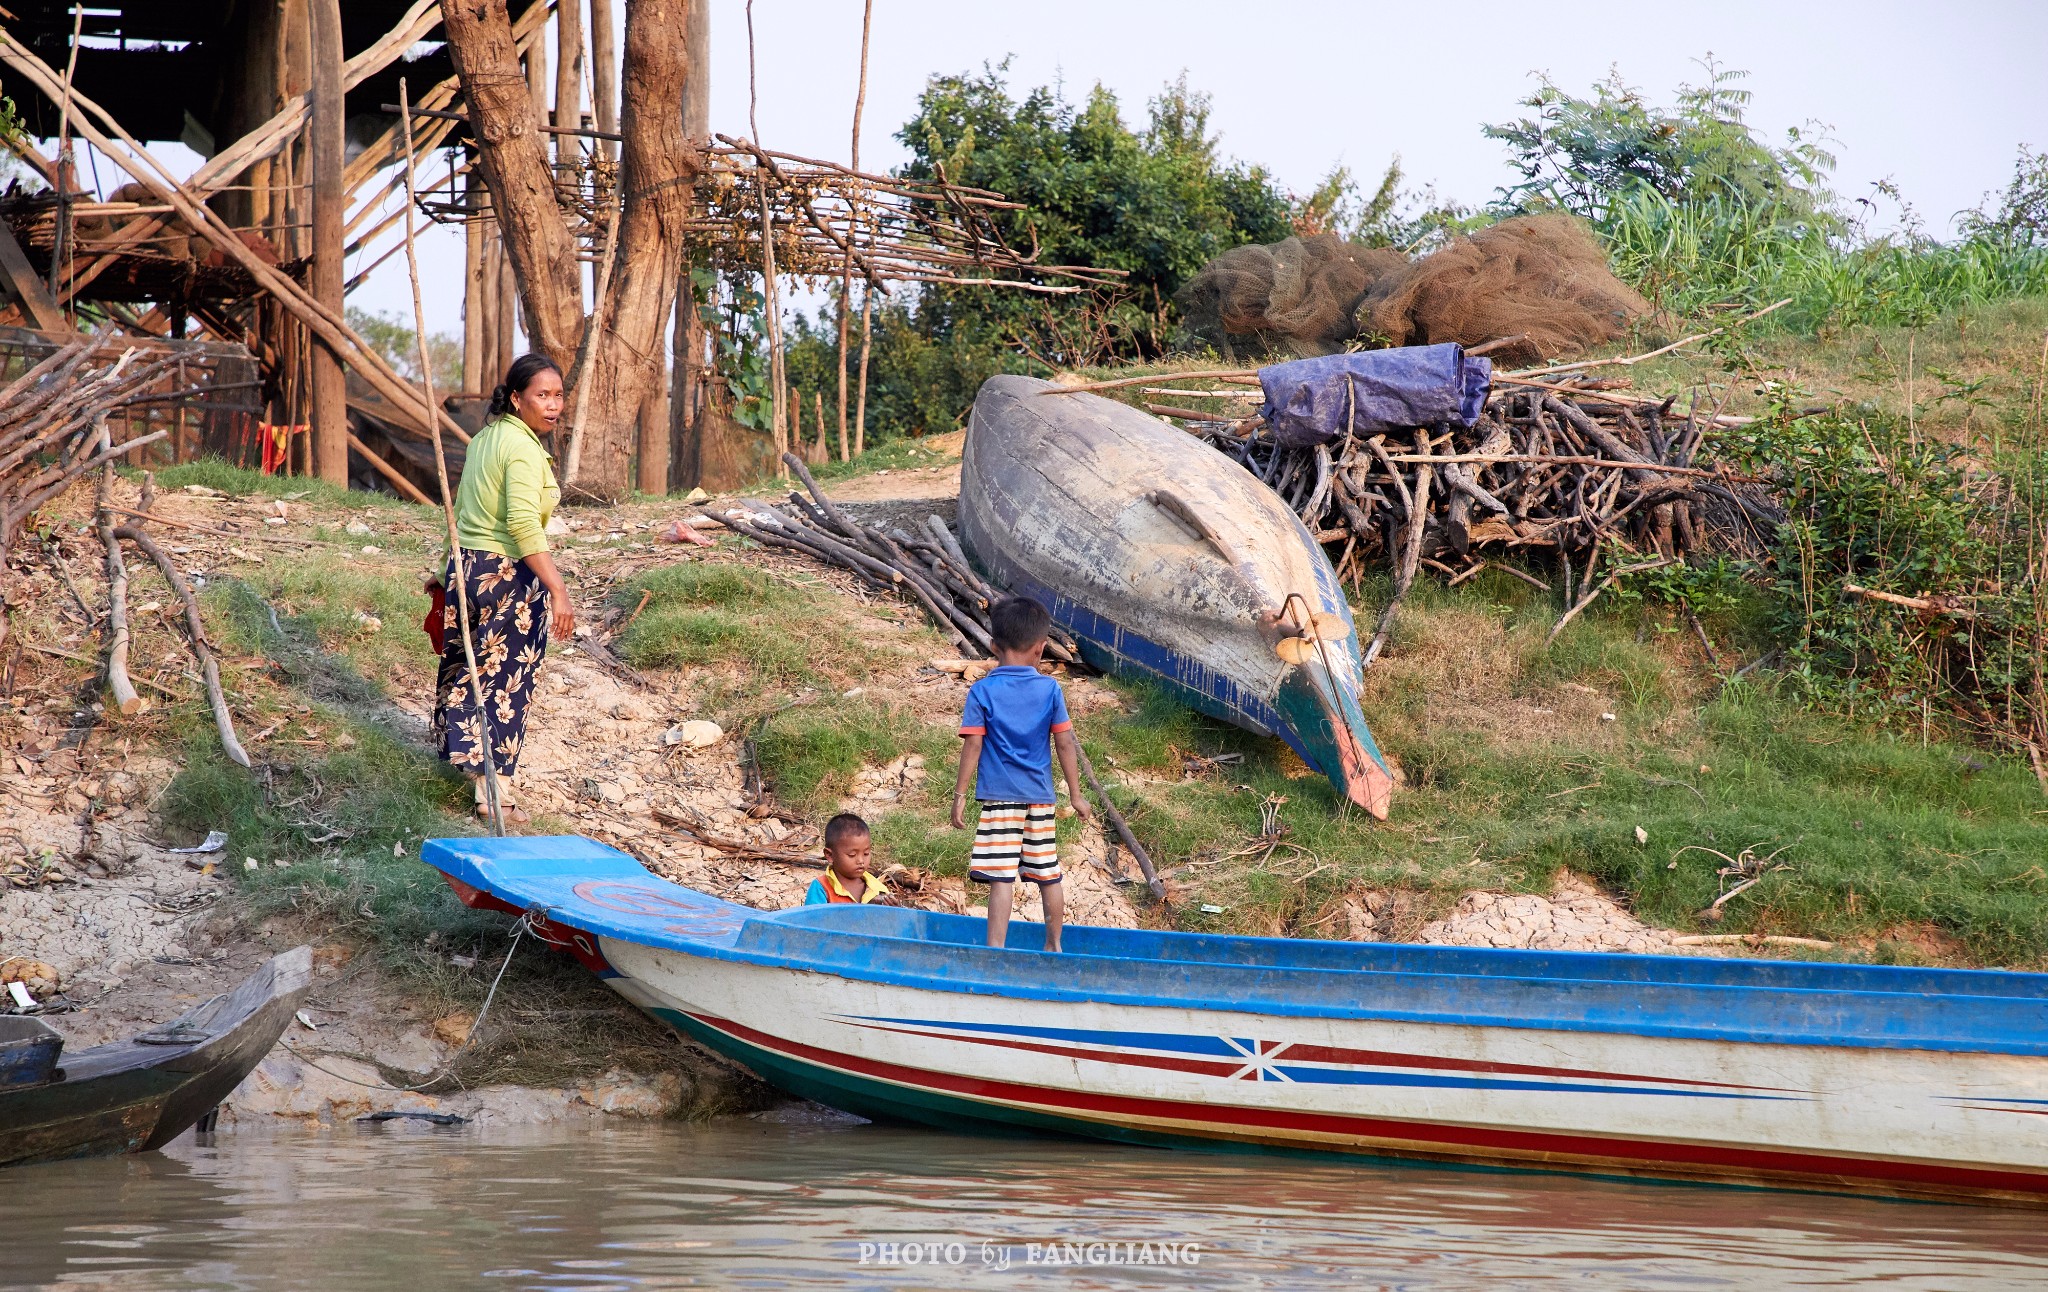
[(771, 305), (686, 383), (572, 459), (475, 368), (604, 69), (860, 410), (125, 698), (60, 248), (492, 801), (860, 100), (568, 80), (329, 202)]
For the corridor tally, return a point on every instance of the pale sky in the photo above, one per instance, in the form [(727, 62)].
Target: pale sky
[(1937, 98)]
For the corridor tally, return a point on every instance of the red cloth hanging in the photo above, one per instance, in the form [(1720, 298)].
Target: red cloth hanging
[(436, 622), (277, 442)]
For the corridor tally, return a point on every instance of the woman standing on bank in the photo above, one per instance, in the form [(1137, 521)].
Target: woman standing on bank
[(516, 596)]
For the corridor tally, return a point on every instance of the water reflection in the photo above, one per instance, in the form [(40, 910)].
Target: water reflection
[(763, 1205)]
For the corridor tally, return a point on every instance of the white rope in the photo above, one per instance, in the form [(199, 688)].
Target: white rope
[(519, 930)]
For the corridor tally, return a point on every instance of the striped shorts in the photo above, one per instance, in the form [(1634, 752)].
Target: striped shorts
[(1011, 838)]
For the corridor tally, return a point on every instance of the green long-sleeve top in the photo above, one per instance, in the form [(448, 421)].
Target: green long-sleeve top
[(508, 491)]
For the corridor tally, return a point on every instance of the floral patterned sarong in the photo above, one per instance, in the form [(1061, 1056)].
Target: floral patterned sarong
[(509, 617)]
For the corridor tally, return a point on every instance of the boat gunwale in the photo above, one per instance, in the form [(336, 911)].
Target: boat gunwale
[(852, 955)]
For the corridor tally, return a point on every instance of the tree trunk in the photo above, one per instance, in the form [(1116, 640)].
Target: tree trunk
[(513, 155), (657, 170)]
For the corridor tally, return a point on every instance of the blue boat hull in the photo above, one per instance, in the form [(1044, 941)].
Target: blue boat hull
[(1900, 1082)]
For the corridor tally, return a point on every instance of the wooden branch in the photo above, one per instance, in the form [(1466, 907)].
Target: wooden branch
[(1925, 605), (1122, 827), (1215, 373), (1638, 358), (125, 698), (223, 719), (1604, 584)]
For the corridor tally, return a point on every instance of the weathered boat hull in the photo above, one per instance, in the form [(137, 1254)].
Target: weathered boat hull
[(140, 1094), (1167, 561), (1895, 1082)]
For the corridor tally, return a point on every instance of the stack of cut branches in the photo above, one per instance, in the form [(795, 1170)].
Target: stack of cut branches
[(1567, 470), (927, 568), (49, 421)]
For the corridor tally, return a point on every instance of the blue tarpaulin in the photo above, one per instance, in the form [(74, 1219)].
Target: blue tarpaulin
[(1313, 401)]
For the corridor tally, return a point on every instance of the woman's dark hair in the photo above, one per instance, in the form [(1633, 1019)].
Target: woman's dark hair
[(517, 378)]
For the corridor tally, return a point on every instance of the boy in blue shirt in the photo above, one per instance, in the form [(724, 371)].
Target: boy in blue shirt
[(1015, 718)]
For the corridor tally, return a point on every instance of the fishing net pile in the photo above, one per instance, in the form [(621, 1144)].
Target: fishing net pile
[(1542, 279), (1298, 296)]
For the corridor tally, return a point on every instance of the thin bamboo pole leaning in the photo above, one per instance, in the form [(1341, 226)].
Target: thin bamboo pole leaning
[(223, 718), (492, 798), (771, 306), (860, 99)]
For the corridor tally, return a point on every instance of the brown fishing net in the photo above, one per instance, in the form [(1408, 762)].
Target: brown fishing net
[(1296, 296), (1541, 276)]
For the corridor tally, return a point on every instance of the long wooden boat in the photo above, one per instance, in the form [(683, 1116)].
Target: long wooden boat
[(139, 1094), (1167, 560), (1880, 1080)]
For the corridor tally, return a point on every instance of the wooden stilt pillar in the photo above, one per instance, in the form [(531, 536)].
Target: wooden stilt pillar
[(604, 70), (508, 311), (686, 366), (330, 391), (475, 368)]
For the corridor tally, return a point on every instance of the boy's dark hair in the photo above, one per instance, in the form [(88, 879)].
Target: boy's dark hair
[(1018, 623), (846, 823)]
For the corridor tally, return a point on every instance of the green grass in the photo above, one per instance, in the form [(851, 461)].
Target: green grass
[(323, 596), (774, 629), (212, 473), (1938, 845)]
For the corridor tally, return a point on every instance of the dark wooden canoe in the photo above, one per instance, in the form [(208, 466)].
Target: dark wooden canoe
[(139, 1094)]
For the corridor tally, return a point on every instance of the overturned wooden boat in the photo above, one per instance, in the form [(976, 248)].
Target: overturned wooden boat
[(1865, 1079), (140, 1094), (1167, 560)]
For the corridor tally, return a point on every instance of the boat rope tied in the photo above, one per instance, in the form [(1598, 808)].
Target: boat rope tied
[(520, 929)]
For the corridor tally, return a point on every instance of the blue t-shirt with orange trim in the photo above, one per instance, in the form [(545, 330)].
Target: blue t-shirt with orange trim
[(1014, 710)]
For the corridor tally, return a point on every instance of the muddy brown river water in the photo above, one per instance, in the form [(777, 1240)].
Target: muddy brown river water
[(753, 1204)]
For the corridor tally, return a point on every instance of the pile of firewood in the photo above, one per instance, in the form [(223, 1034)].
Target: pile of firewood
[(927, 568), (51, 421), (1558, 474)]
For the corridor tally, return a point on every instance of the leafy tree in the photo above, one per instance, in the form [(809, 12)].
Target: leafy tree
[(1583, 154), (2020, 217), (399, 346), (1157, 202)]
